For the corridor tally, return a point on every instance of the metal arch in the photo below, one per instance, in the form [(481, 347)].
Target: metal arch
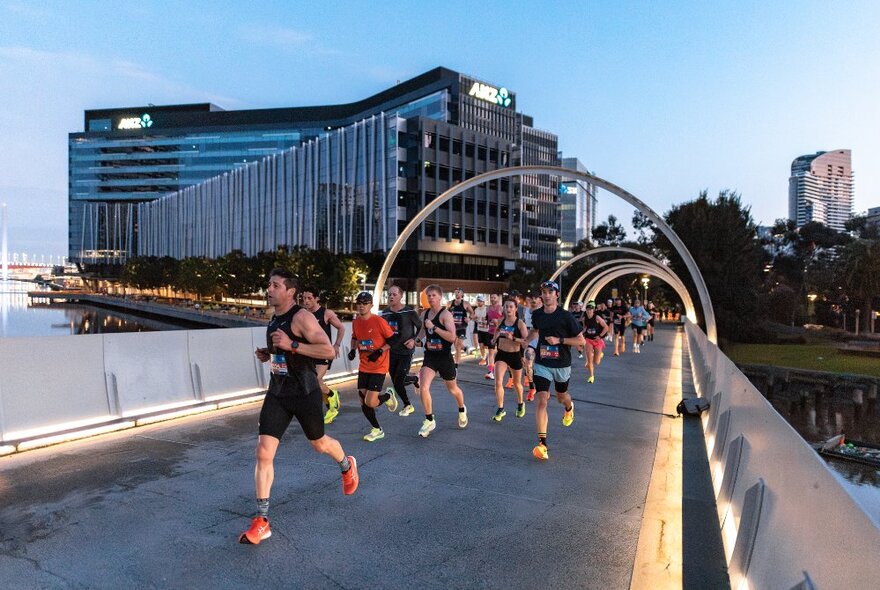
[(590, 271), (656, 262), (596, 285), (601, 250), (415, 222), (643, 266)]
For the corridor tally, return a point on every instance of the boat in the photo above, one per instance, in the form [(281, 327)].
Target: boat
[(840, 447)]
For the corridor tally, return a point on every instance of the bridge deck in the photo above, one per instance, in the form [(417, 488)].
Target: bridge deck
[(162, 506)]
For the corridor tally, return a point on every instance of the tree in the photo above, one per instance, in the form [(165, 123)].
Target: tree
[(859, 274), (609, 233), (198, 275), (643, 227), (720, 235), (528, 276)]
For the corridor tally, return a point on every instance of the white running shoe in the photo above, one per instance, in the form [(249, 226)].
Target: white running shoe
[(392, 402), (462, 418), (374, 435), (407, 410), (427, 428)]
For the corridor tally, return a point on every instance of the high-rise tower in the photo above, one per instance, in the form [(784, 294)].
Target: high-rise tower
[(821, 189)]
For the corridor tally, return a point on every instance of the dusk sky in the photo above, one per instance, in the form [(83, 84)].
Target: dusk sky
[(664, 99)]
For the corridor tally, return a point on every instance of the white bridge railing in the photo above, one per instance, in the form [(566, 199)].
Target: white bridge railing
[(60, 387), (786, 521)]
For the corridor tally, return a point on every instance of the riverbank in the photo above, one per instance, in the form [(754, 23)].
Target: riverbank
[(193, 315)]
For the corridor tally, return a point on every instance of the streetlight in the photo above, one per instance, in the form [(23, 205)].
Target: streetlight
[(363, 278), (645, 281)]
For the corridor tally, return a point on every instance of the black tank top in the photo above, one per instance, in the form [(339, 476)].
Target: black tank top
[(592, 329), (434, 344), (319, 315), (459, 313), (301, 377)]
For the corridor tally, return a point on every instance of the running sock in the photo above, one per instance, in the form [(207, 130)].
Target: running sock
[(569, 408), (384, 398), (461, 410), (344, 466), (499, 410), (429, 417), (370, 413), (263, 507), (542, 438)]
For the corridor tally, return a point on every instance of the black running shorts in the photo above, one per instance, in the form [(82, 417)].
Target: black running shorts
[(485, 339), (460, 333), (326, 362), (514, 360), (638, 329), (371, 381), (277, 413), (543, 384), (442, 364), (619, 329)]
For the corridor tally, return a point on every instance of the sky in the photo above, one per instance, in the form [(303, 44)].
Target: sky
[(664, 99)]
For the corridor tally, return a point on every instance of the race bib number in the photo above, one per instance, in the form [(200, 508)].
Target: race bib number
[(458, 317), (591, 332), (394, 326), (365, 345), (482, 323), (549, 352), (508, 329), (434, 344), (278, 364)]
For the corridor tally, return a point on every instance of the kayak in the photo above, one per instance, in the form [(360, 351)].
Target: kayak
[(839, 447)]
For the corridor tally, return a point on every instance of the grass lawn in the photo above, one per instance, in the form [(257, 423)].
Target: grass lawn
[(815, 357)]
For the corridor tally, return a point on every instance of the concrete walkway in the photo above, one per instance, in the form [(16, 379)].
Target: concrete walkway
[(162, 506)]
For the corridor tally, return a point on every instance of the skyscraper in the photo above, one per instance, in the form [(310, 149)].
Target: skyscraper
[(821, 189)]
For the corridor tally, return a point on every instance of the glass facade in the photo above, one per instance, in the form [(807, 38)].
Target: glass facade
[(577, 210)]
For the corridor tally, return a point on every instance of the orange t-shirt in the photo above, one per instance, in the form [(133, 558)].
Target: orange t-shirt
[(370, 335)]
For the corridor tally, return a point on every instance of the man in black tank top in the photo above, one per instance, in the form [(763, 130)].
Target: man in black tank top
[(438, 329), (294, 341), (462, 314), (326, 318)]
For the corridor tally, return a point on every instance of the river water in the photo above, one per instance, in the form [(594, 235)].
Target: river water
[(19, 319)]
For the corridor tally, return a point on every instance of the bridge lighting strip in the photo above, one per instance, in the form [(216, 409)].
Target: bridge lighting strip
[(173, 415), (46, 441), (7, 450)]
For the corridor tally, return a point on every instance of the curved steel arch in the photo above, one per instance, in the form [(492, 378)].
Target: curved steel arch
[(593, 269), (673, 281), (631, 265), (601, 250), (415, 222)]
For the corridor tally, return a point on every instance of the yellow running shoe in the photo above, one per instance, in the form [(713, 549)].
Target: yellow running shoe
[(333, 399), (330, 415), (568, 417), (592, 379), (540, 452), (520, 410)]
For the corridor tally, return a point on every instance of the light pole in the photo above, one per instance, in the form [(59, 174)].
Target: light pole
[(645, 281)]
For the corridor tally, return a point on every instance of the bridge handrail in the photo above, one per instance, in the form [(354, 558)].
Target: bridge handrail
[(782, 512), (62, 384)]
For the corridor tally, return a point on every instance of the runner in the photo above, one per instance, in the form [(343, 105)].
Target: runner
[(510, 338), (578, 313), (294, 340), (481, 330), (595, 329), (608, 317), (461, 312), (654, 313), (535, 303), (494, 314), (619, 316), (556, 331), (640, 318), (372, 337), (405, 322), (326, 318), (438, 329)]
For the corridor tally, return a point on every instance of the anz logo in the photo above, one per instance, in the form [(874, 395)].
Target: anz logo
[(141, 122), (501, 96)]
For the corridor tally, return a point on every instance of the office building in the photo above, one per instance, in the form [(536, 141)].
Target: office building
[(821, 189), (196, 180), (577, 209)]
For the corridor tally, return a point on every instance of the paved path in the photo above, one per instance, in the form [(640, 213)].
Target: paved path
[(162, 506)]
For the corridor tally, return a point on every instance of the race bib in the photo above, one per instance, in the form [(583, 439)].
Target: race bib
[(509, 329), (365, 345), (482, 323), (458, 317), (549, 352), (278, 364), (394, 327), (591, 332), (434, 344)]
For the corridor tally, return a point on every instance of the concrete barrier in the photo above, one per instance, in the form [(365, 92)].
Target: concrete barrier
[(50, 384), (220, 365), (784, 516)]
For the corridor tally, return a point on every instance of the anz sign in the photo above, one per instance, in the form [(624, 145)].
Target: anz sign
[(499, 96), (141, 122)]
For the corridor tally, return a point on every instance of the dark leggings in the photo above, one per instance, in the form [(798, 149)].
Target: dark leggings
[(398, 369)]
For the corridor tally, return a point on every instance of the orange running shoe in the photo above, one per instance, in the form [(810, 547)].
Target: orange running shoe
[(509, 383), (259, 530), (350, 478), (540, 452), (530, 396)]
